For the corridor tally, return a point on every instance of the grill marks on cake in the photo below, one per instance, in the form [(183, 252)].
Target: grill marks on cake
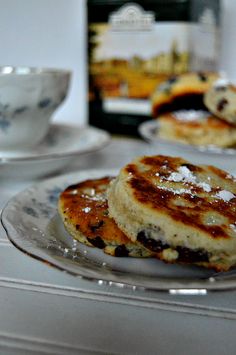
[(153, 188)]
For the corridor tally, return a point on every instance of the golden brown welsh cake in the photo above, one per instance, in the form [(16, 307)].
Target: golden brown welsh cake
[(184, 91), (196, 127), (183, 212), (84, 211)]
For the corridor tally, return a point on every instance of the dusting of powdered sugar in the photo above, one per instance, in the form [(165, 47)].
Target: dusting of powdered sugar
[(221, 82), (231, 177), (190, 115), (225, 195), (86, 209), (206, 187), (233, 227), (176, 191), (185, 175)]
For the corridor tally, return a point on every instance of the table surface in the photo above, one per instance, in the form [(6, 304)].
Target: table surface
[(46, 311)]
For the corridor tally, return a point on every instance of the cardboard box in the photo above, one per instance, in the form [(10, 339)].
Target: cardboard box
[(135, 46)]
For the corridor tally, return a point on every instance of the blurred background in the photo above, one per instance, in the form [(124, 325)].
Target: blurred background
[(52, 33)]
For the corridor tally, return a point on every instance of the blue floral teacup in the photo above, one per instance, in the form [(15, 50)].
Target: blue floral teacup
[(28, 98)]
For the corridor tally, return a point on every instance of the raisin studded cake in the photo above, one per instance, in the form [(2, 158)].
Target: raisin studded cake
[(84, 212), (184, 91), (183, 212), (196, 127), (220, 99)]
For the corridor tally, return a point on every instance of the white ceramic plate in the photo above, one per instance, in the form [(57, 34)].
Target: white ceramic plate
[(222, 158), (33, 225), (62, 144)]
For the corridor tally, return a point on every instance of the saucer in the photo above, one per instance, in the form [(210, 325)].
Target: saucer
[(61, 145)]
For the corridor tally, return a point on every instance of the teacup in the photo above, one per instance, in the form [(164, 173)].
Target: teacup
[(28, 98)]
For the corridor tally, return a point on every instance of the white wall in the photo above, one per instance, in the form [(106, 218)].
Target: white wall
[(228, 38), (51, 33), (48, 33)]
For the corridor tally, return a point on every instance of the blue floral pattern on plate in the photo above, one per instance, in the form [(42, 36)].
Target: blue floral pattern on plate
[(46, 208)]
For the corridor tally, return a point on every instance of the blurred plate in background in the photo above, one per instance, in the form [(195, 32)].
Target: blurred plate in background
[(210, 155)]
